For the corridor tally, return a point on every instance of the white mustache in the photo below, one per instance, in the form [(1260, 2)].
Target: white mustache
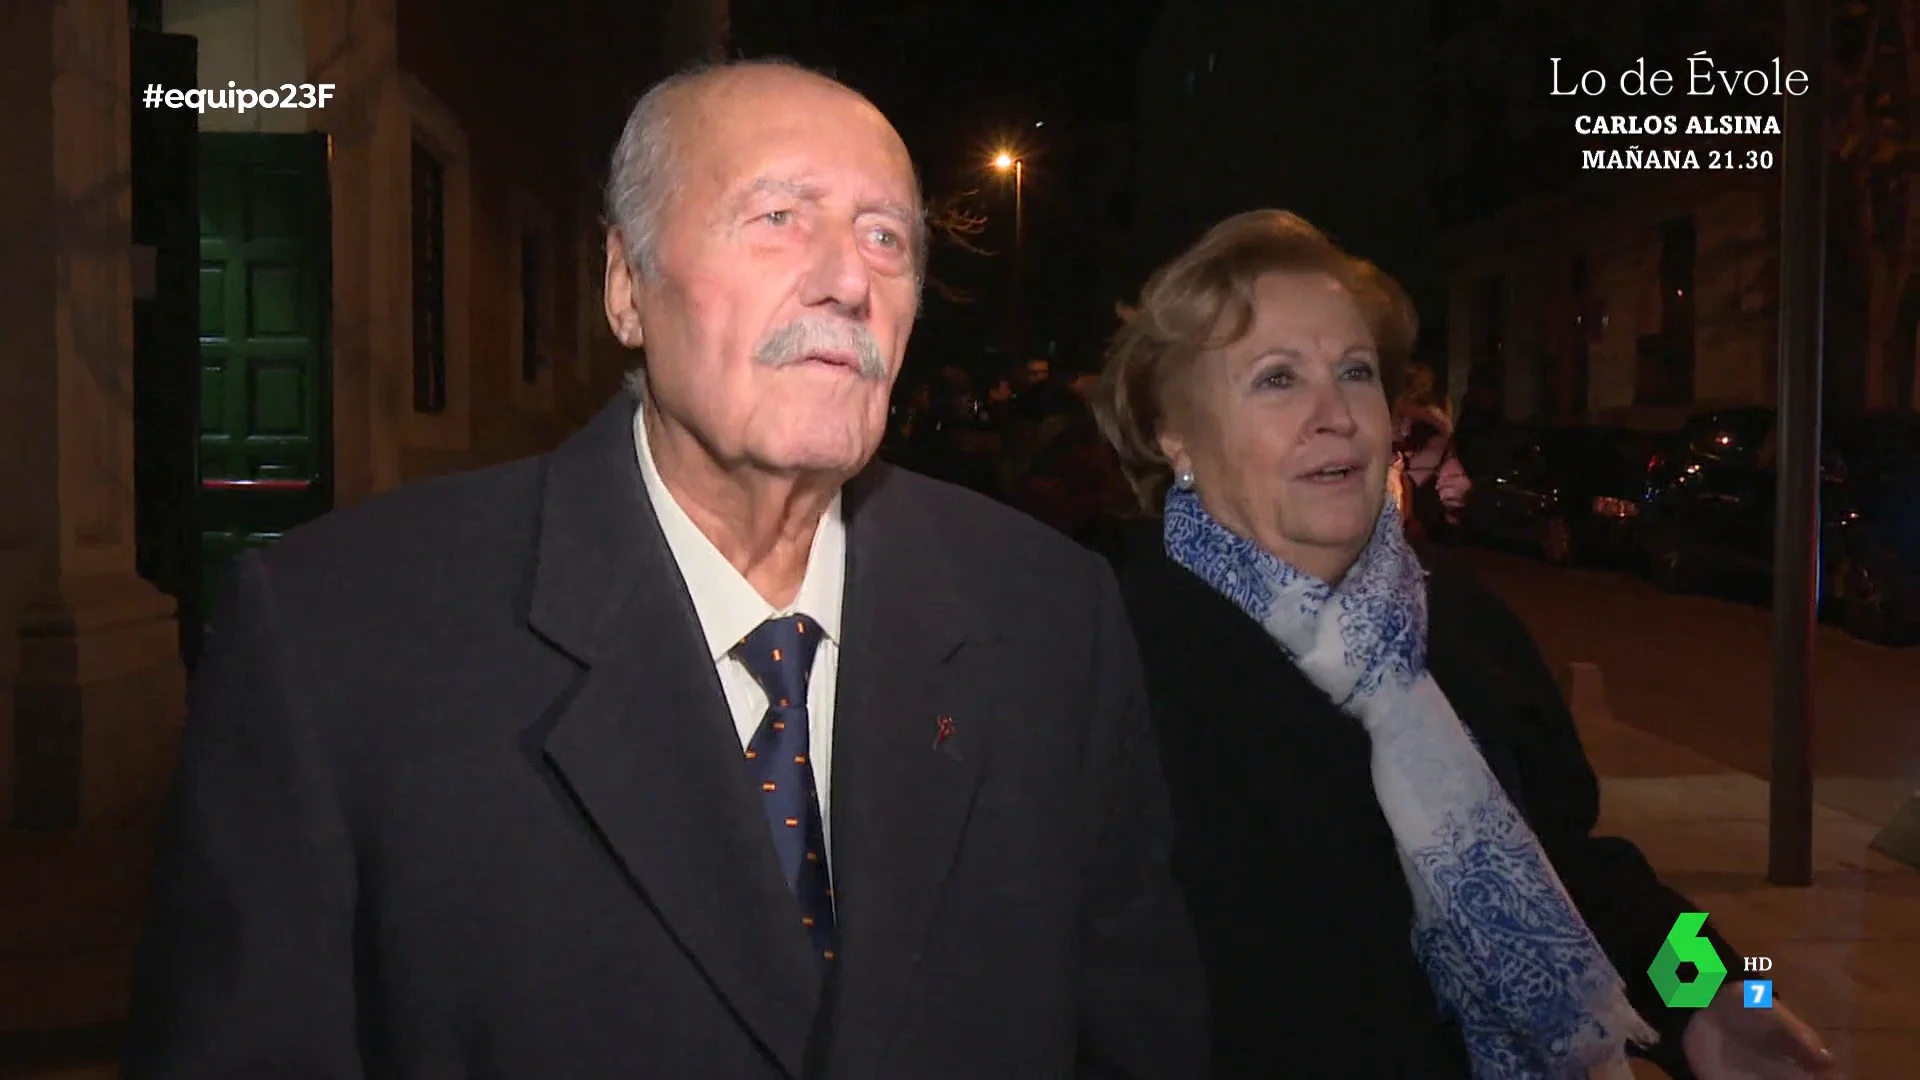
[(802, 338)]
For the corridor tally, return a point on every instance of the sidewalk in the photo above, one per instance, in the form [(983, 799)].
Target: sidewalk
[(1696, 670), (70, 910), (1845, 951)]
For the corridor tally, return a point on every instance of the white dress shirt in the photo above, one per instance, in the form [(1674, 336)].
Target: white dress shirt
[(730, 608)]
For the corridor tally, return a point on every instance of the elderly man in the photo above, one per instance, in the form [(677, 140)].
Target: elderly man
[(699, 748)]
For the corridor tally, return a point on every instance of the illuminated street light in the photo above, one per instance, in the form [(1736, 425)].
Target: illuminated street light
[(1005, 161)]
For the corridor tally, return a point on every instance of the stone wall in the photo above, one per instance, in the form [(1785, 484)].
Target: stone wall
[(92, 692), (1533, 248), (537, 144), (91, 686), (1739, 287), (254, 44), (532, 102)]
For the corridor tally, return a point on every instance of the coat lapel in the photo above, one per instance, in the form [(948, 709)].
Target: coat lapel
[(907, 760), (644, 743)]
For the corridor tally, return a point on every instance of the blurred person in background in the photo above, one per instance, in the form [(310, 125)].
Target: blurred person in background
[(960, 444), (1429, 483), (1073, 481)]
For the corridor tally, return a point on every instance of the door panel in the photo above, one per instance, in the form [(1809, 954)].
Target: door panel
[(266, 452)]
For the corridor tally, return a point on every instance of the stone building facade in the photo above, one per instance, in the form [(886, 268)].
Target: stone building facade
[(218, 324), (396, 283), (1627, 306)]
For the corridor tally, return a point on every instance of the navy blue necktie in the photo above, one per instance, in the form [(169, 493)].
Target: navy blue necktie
[(779, 653)]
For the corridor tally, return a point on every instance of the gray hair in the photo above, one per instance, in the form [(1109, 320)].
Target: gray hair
[(643, 174)]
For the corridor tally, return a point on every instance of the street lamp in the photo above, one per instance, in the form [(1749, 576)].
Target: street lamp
[(1006, 161)]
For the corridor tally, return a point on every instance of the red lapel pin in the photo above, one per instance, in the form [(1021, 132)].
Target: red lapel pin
[(943, 732)]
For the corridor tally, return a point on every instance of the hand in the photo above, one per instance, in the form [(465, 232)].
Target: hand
[(1729, 1042)]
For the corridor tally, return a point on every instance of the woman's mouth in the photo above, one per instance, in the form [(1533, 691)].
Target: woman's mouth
[(1334, 474)]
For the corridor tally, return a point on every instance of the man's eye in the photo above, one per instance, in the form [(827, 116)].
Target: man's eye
[(777, 217)]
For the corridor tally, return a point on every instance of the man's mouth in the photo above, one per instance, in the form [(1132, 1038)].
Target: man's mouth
[(837, 360)]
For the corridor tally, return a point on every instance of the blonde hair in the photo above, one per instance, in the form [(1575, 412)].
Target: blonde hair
[(1203, 300)]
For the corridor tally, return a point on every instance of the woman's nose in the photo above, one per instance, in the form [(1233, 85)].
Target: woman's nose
[(1331, 410)]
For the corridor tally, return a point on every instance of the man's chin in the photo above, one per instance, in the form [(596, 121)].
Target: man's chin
[(818, 454)]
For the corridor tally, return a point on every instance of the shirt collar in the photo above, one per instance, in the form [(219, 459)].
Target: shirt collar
[(728, 606)]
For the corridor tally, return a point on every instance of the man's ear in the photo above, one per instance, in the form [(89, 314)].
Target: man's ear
[(622, 294)]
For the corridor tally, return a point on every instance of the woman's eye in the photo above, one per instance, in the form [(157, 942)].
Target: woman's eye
[(1278, 378), (1358, 372)]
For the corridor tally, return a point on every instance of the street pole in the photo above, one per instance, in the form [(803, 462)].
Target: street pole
[(1019, 260), (1796, 549), (1019, 207)]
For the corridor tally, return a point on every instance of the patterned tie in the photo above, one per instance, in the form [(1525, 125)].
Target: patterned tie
[(779, 653)]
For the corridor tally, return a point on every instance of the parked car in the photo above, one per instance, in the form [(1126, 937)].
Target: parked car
[(1573, 494), (1711, 503), (1872, 555), (1711, 497)]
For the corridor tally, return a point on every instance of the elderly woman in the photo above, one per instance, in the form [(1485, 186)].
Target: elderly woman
[(1384, 813)]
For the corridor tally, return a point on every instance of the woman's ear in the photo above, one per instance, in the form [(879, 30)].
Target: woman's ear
[(1175, 449)]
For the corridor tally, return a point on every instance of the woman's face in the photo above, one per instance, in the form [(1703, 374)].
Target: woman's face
[(1286, 431)]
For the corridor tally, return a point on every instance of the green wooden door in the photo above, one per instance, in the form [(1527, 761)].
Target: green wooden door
[(266, 459)]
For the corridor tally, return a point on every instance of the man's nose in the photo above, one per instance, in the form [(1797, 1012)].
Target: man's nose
[(840, 276)]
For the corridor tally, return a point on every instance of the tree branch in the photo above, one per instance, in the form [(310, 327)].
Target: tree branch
[(951, 222), (968, 246), (951, 294), (949, 215)]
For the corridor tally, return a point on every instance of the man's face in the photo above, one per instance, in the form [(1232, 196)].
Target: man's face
[(785, 290)]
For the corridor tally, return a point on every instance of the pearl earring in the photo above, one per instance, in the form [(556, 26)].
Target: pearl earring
[(1183, 479)]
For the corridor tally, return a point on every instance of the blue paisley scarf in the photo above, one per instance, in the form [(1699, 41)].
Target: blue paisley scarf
[(1510, 958)]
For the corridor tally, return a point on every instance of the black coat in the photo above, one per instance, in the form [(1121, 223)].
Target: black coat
[(460, 798), (1288, 865)]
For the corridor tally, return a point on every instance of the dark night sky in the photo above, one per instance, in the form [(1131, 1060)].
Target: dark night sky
[(957, 78), (1313, 111), (951, 74)]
